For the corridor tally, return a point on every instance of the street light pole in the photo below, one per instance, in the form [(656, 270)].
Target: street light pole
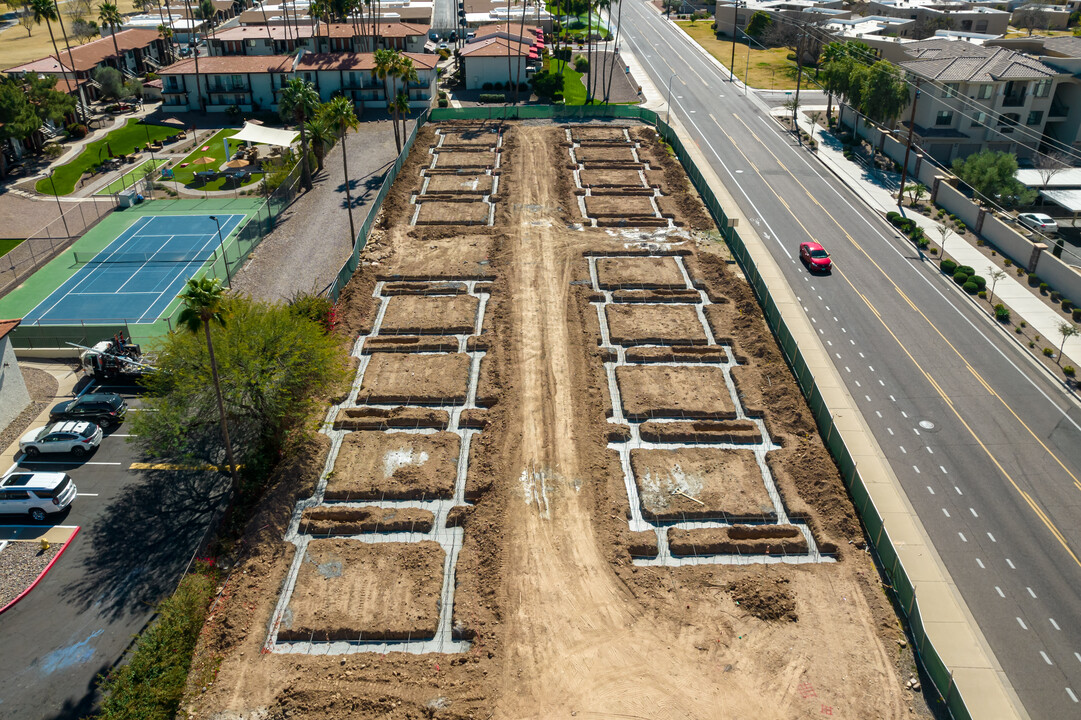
[(732, 65), (221, 243), (668, 108), (67, 233)]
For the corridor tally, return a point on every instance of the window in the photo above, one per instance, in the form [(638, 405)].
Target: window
[(986, 91), (951, 90), (1007, 122), (15, 495), (944, 117), (1035, 117), (981, 26), (979, 119), (251, 42), (1043, 88)]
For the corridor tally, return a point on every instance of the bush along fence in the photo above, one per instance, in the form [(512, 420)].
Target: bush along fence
[(898, 578)]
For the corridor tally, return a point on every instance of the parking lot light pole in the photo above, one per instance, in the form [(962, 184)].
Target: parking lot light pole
[(67, 233), (225, 259)]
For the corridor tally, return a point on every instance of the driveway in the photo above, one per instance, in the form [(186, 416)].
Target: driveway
[(311, 242), (139, 530)]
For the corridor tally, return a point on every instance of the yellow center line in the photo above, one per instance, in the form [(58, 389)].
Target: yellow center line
[(913, 306), (938, 389)]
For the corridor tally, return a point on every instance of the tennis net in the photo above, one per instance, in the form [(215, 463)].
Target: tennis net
[(108, 258)]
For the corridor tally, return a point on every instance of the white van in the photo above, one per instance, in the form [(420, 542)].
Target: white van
[(35, 493)]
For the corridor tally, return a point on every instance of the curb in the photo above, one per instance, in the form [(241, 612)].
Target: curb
[(40, 577)]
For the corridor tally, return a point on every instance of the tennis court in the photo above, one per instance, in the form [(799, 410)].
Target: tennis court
[(139, 274)]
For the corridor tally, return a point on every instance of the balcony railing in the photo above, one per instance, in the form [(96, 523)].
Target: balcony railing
[(1014, 100)]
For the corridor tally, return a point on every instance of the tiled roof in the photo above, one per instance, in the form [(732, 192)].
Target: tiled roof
[(337, 30), (494, 47), (7, 326), (960, 61), (239, 64), (509, 28), (1067, 45), (45, 66), (90, 55)]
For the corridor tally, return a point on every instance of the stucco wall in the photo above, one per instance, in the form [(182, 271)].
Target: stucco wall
[(14, 396)]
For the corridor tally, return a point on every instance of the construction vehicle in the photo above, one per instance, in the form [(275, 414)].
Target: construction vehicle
[(112, 359)]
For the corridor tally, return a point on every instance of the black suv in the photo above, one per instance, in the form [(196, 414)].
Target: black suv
[(104, 409)]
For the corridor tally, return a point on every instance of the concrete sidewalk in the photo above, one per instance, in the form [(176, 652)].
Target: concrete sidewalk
[(67, 379), (879, 190)]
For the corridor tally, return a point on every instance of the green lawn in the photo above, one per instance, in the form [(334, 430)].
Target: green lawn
[(8, 244), (765, 69), (122, 141), (215, 148), (127, 179), (574, 90)]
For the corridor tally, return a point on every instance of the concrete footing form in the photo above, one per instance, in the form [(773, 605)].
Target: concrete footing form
[(460, 184), (442, 530), (687, 295), (611, 180)]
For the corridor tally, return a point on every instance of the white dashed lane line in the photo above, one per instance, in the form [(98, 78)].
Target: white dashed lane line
[(1070, 693), (1045, 658), (958, 490), (962, 536), (903, 451), (1010, 563), (992, 537), (930, 490), (1022, 624), (916, 469), (889, 430), (928, 449), (945, 512), (1030, 592), (943, 469), (980, 563), (1054, 624), (1000, 593), (973, 511)]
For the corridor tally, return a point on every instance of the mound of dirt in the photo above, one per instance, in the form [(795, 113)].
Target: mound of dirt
[(764, 598)]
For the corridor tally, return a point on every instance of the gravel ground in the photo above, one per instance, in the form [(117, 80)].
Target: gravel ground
[(21, 217), (311, 242), (20, 564), (42, 387)]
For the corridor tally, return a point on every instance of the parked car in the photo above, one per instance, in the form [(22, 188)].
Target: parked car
[(1039, 222), (443, 46), (815, 257), (104, 409), (77, 438), (433, 36), (36, 494)]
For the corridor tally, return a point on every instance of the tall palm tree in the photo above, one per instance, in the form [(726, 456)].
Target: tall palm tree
[(204, 302), (81, 111), (208, 14), (46, 10), (110, 16), (597, 76), (299, 101), (386, 64), (195, 49), (341, 116), (166, 34), (615, 44), (320, 136), (406, 73)]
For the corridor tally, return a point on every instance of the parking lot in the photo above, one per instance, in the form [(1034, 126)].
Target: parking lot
[(140, 525)]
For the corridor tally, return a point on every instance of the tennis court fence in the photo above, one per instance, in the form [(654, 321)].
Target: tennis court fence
[(898, 578), (37, 250)]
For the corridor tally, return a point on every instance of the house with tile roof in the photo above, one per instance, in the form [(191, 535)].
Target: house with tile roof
[(976, 97), (253, 82), (494, 61)]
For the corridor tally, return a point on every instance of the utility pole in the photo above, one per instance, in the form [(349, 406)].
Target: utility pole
[(799, 76), (732, 65), (908, 145)]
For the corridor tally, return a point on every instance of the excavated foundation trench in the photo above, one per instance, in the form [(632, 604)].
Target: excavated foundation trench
[(610, 182), (648, 353), (458, 186), (436, 525)]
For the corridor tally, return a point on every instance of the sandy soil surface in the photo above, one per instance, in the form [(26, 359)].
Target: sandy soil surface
[(701, 482), (669, 391), (601, 178), (397, 377), (347, 590), (654, 325), (374, 465), (437, 212), (431, 315), (464, 159), (600, 154), (624, 206), (561, 622), (353, 521), (776, 540), (474, 184), (702, 431), (639, 272)]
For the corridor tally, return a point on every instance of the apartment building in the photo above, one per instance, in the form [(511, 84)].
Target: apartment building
[(959, 16), (275, 39), (982, 97), (253, 82)]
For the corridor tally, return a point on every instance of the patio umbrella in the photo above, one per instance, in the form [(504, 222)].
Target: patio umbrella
[(237, 164), (533, 56), (173, 121), (203, 161)]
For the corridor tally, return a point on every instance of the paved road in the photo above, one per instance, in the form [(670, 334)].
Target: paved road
[(986, 446), (139, 530)]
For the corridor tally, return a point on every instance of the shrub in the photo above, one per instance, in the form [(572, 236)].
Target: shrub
[(1068, 370), (1002, 313), (151, 684), (893, 216), (953, 218), (1044, 287), (982, 294), (444, 54), (960, 276), (948, 266), (1023, 324), (1020, 271), (1007, 262), (1048, 352), (941, 212), (486, 86), (53, 150), (1017, 330), (557, 96), (1076, 314), (934, 251), (970, 287), (1033, 279), (317, 308), (77, 130), (1067, 306), (981, 283), (966, 269), (443, 102), (493, 97), (961, 227), (442, 94), (581, 64), (1055, 296), (1031, 344)]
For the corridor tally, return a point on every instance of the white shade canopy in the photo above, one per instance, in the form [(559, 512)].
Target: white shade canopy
[(267, 136)]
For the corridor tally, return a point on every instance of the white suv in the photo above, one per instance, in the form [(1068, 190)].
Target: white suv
[(77, 438), (36, 494)]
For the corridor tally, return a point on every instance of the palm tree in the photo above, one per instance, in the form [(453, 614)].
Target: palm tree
[(598, 76), (110, 16), (406, 73), (166, 34), (341, 116), (320, 137), (203, 304), (46, 10), (401, 109), (299, 101), (195, 43), (208, 13), (386, 65), (615, 44)]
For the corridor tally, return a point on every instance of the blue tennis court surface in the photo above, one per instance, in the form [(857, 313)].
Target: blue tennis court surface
[(139, 274)]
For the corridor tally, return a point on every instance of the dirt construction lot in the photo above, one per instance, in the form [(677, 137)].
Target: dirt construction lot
[(565, 599)]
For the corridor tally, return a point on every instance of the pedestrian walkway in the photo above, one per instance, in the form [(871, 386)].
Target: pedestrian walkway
[(67, 378), (879, 188)]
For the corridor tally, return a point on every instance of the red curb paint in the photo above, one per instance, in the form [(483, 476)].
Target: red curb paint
[(38, 579)]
